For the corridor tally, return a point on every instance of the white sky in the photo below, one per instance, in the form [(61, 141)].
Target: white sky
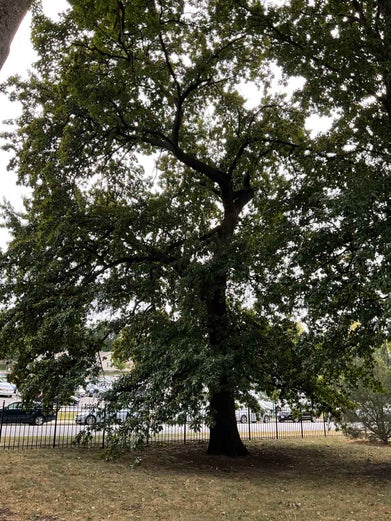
[(18, 62)]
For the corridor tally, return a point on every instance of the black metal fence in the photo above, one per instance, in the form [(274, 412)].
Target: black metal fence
[(64, 428)]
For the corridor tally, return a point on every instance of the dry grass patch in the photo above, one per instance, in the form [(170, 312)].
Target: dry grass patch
[(283, 480)]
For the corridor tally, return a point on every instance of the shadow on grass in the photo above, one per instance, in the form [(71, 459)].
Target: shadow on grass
[(315, 461)]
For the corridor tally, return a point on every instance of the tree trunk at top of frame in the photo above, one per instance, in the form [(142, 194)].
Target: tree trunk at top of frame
[(12, 13)]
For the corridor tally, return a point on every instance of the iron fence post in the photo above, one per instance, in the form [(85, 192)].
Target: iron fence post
[(104, 428), (1, 419), (55, 426), (148, 429), (249, 423)]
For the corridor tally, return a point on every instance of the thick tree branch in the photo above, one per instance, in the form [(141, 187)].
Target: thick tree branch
[(12, 13)]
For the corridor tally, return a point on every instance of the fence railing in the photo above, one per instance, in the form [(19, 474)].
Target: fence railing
[(35, 428)]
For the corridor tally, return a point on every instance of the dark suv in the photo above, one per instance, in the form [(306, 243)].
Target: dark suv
[(289, 416)]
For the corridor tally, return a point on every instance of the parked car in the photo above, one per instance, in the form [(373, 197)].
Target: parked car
[(286, 415), (99, 387), (93, 416), (6, 389), (267, 410), (18, 412), (242, 416)]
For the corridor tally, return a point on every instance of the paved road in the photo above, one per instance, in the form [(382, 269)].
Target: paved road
[(67, 428)]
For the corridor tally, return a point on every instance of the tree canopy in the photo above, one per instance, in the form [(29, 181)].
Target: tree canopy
[(202, 258), (345, 218)]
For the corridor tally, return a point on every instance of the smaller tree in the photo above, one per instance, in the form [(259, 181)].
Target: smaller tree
[(371, 417)]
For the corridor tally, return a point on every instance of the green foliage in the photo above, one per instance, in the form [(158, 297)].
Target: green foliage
[(200, 265), (371, 416)]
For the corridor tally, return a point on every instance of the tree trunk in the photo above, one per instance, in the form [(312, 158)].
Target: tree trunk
[(224, 436), (12, 13)]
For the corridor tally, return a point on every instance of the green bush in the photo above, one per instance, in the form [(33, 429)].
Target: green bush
[(372, 416)]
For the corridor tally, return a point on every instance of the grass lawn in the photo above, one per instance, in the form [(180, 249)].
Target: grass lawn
[(283, 480)]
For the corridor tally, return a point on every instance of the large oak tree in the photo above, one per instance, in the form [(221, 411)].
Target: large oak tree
[(200, 264)]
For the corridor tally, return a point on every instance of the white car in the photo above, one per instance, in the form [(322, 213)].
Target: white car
[(242, 415), (97, 388), (6, 389), (93, 416)]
